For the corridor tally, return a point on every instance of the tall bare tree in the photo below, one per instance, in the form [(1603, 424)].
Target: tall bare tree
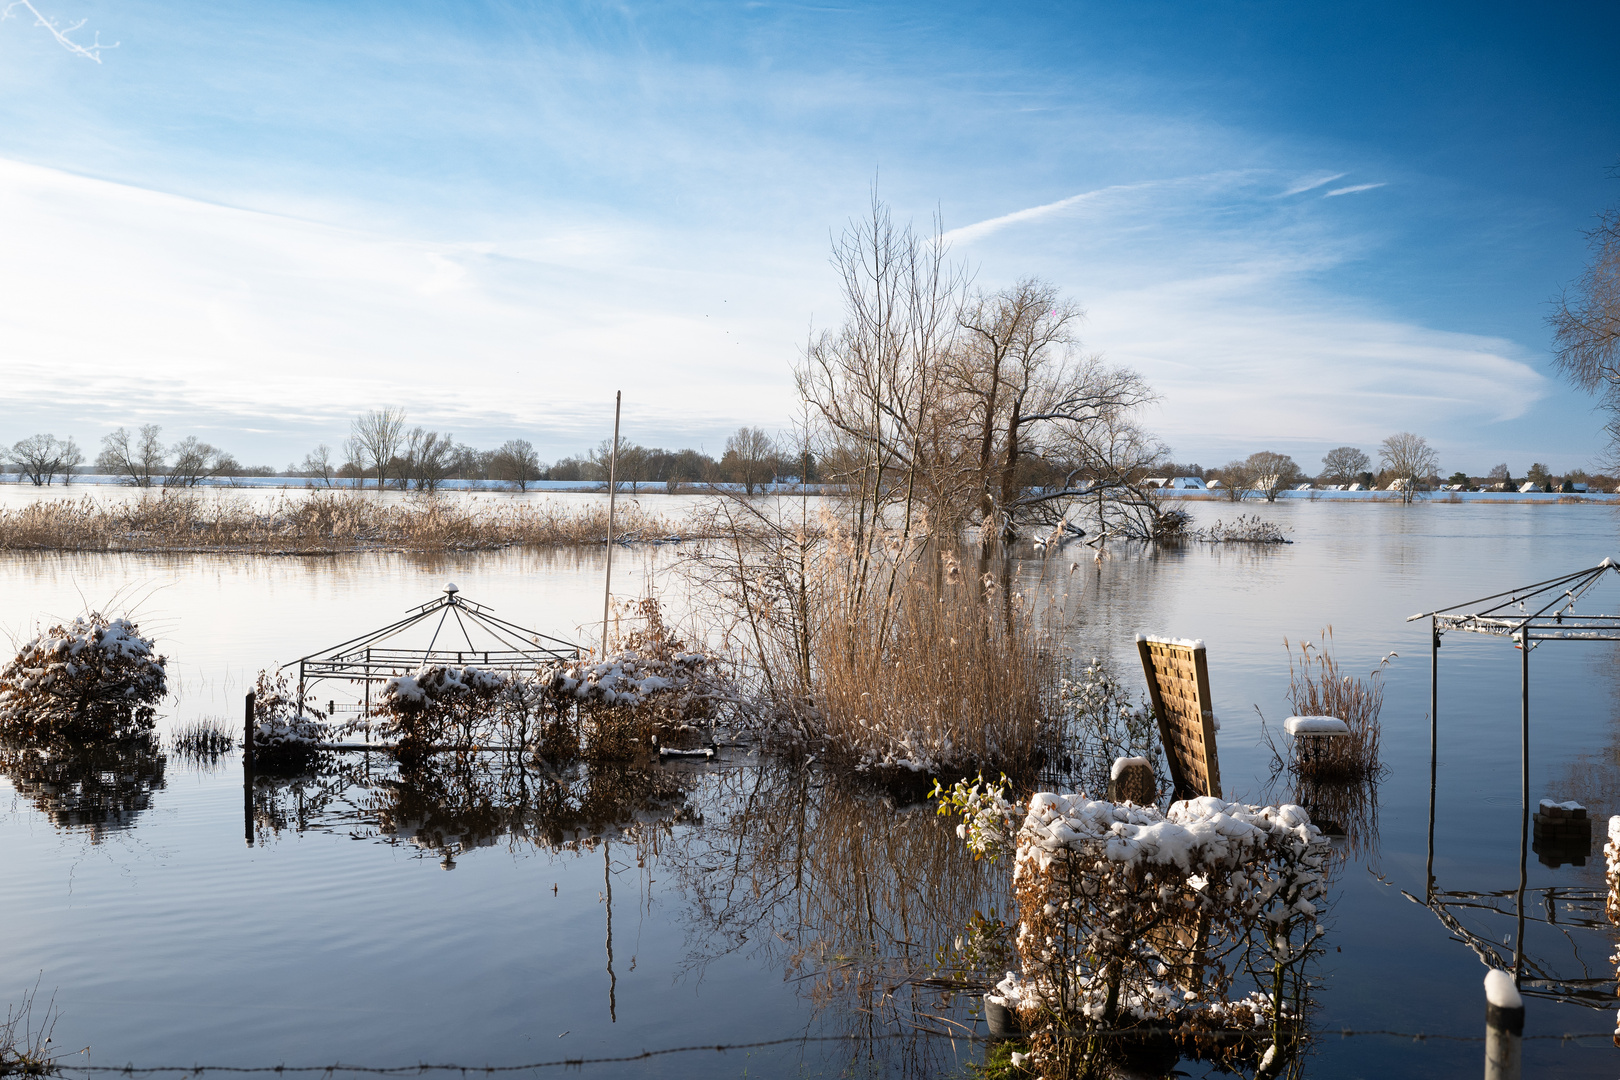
[(42, 458), (195, 462), (516, 463), (1410, 459), (1237, 480), (375, 441), (750, 458), (137, 460), (427, 458), (1343, 464), (318, 465), (1271, 472), (1586, 324)]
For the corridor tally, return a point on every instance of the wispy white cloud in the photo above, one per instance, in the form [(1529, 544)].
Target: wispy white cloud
[(967, 234), (1353, 188), (1312, 184)]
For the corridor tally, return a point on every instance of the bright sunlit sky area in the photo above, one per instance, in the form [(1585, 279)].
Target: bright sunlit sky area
[(1307, 225)]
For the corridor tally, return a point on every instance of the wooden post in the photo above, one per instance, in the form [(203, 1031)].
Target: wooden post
[(613, 494), (247, 770), (1504, 1026)]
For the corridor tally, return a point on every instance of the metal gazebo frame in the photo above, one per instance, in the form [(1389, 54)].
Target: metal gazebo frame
[(1509, 614), (368, 659)]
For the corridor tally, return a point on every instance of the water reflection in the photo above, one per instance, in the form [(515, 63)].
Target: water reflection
[(449, 805), (868, 907), (94, 790)]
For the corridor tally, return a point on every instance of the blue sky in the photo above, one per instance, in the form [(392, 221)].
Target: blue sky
[(1307, 226)]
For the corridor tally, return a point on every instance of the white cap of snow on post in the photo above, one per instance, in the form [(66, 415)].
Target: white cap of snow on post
[(1500, 991), (451, 588), (1185, 643), (1121, 764)]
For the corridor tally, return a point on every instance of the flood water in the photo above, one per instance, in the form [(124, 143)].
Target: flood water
[(494, 917)]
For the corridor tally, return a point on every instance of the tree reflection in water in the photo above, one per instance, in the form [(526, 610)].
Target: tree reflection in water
[(450, 804), (96, 790), (861, 902)]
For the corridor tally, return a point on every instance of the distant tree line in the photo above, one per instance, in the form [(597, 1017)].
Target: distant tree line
[(387, 452), (1405, 460)]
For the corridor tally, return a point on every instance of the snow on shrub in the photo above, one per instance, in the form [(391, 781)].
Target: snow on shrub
[(92, 679), (286, 728), (444, 705), (655, 686), (1200, 918)]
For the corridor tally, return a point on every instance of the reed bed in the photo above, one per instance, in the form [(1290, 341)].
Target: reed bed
[(204, 738), (1317, 687), (316, 525), (945, 679)]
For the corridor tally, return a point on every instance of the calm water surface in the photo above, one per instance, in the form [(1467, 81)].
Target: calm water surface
[(506, 918)]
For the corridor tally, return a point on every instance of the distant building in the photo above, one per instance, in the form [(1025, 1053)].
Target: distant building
[(1303, 487), (1529, 486), (1355, 487), (1187, 483)]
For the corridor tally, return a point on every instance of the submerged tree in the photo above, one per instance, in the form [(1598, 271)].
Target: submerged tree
[(375, 440), (516, 463), (1343, 465), (136, 460), (41, 458), (1408, 460)]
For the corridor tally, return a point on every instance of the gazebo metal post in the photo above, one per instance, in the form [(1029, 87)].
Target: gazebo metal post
[(1524, 791), (1434, 739)]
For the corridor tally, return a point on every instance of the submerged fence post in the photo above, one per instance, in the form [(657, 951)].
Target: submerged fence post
[(247, 770), (613, 494), (1504, 1026)]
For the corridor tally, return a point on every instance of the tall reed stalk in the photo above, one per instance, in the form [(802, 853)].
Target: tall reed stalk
[(1318, 687)]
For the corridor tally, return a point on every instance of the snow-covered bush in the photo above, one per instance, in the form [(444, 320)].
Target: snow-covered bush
[(1104, 721), (1200, 919), (92, 679), (286, 728), (655, 685), (443, 705)]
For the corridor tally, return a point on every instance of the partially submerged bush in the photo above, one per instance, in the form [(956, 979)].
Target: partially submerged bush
[(1103, 722), (205, 738), (654, 686), (945, 679), (286, 729), (93, 679), (1316, 687), (1199, 920)]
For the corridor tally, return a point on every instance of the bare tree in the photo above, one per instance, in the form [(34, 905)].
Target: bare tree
[(1343, 464), (1586, 323), (750, 458), (195, 462), (428, 456), (1409, 460), (41, 458), (137, 461), (1236, 480), (318, 465), (516, 463), (1271, 472), (375, 441)]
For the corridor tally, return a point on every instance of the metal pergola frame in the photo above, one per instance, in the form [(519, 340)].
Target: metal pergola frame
[(1513, 615), (369, 658)]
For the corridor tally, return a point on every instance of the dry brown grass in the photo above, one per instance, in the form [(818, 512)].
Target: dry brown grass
[(314, 525), (1317, 687), (947, 678)]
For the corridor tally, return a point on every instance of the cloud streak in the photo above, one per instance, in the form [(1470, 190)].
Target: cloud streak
[(967, 234), (1312, 185), (1352, 189)]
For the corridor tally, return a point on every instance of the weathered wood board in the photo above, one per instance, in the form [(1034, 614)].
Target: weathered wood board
[(1178, 687)]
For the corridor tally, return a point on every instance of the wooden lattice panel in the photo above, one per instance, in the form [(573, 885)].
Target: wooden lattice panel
[(1178, 686)]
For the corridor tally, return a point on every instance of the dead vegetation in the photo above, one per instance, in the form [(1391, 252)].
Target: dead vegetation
[(1318, 687), (317, 524)]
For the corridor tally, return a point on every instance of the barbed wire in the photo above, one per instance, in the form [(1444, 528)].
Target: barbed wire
[(574, 1062)]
